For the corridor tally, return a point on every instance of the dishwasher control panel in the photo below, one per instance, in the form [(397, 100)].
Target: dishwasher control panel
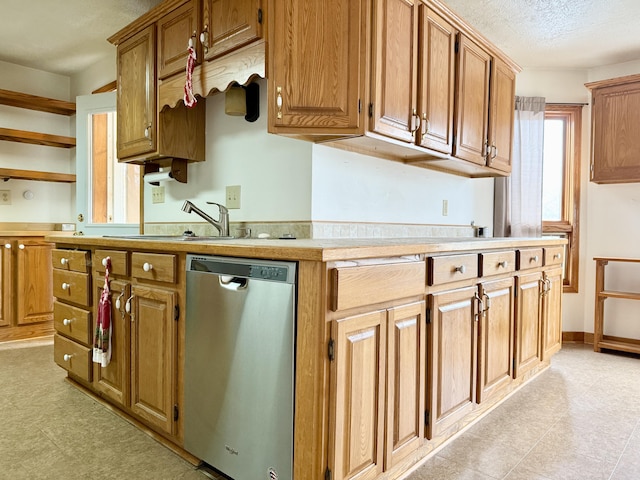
[(271, 270)]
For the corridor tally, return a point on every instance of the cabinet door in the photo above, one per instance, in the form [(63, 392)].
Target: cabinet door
[(527, 332), (316, 57), (495, 334), (112, 381), (405, 381), (452, 354), (394, 75), (615, 144), (436, 83), (472, 109), (174, 31), (358, 385), (552, 313), (230, 24), (6, 282), (153, 356), (34, 272), (503, 91), (137, 94)]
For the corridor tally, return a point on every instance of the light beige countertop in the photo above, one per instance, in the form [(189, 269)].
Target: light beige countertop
[(307, 249)]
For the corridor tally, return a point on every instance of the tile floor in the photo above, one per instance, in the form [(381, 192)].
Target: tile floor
[(578, 420)]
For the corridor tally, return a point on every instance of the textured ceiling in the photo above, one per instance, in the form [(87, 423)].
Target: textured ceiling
[(65, 36), (558, 33)]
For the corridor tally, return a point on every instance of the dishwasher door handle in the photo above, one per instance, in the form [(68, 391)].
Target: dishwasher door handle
[(233, 283)]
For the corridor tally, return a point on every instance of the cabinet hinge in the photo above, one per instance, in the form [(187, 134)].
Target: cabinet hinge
[(426, 418), (428, 316), (176, 312), (176, 412), (371, 110), (457, 46), (259, 15), (330, 350), (327, 474)]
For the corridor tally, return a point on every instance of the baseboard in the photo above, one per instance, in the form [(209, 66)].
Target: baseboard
[(577, 337)]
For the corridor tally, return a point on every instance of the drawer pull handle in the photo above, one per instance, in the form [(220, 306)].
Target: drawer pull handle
[(556, 256), (67, 321), (7, 245), (502, 264), (67, 356), (21, 246), (147, 267), (64, 261), (65, 286), (534, 259), (460, 269)]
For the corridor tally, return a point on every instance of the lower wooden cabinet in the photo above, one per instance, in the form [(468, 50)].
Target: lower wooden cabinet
[(452, 346), (26, 296), (552, 313), (378, 385), (527, 331)]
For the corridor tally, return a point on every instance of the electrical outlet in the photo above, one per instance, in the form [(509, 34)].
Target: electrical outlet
[(157, 194), (233, 196), (5, 197), (445, 208)]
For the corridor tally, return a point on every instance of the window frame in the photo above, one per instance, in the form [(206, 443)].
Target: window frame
[(569, 225)]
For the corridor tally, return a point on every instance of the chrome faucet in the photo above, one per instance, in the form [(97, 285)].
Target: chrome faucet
[(222, 224)]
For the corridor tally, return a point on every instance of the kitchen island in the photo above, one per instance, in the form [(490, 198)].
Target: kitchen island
[(400, 342)]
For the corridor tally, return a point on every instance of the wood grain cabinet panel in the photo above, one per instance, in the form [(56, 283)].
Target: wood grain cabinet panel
[(528, 315), (551, 330), (6, 282), (231, 24), (502, 99), (73, 322), (495, 337), (73, 357), (615, 119), (119, 262), (452, 358), (315, 82), (452, 268), (154, 266), (34, 302), (71, 260), (72, 287), (174, 31)]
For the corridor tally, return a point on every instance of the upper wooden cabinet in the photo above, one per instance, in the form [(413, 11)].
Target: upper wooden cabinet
[(615, 119), (230, 24), (174, 31), (316, 69)]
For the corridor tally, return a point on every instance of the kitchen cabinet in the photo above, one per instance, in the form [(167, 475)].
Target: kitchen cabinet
[(378, 370), (146, 132), (528, 315), (484, 109), (316, 65), (174, 31), (230, 24), (26, 295), (615, 118)]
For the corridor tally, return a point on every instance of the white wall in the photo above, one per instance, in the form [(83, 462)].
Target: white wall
[(52, 202), (610, 214)]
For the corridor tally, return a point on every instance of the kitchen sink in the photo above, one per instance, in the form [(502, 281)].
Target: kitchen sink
[(170, 238)]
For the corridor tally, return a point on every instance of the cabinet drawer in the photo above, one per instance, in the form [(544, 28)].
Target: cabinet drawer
[(119, 263), (72, 356), (553, 255), (71, 260), (72, 322), (528, 258), (452, 268), (154, 266), (71, 287), (495, 263), (368, 284)]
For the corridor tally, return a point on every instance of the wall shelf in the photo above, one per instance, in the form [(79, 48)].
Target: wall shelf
[(601, 341), (23, 136), (9, 173), (33, 102)]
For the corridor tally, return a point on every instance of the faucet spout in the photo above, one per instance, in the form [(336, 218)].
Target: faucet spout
[(222, 224)]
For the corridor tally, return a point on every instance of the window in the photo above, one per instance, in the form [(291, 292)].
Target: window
[(561, 183)]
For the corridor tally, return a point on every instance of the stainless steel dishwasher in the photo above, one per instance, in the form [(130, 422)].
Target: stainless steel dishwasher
[(239, 365)]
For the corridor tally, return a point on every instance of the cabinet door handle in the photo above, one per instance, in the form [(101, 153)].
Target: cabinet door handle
[(494, 152), (557, 256), (487, 302), (460, 269), (21, 246), (543, 287), (7, 245), (479, 307), (425, 125), (147, 132), (104, 261), (204, 38), (127, 306), (279, 102), (417, 127)]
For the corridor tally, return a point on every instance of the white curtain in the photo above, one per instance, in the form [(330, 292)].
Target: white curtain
[(518, 198)]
